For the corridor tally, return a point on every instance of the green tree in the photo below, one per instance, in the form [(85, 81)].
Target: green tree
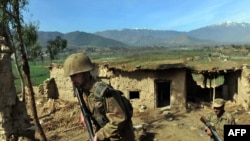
[(55, 46), (35, 52), (33, 49)]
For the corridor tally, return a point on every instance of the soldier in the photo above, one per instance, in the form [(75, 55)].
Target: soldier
[(115, 124), (218, 118)]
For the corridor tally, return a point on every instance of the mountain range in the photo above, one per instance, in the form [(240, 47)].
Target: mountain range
[(221, 33)]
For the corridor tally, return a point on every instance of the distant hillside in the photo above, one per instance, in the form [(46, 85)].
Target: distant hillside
[(222, 33), (80, 39), (146, 37), (140, 37)]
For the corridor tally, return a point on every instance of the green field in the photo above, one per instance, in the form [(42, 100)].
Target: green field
[(204, 58), (150, 57), (38, 73)]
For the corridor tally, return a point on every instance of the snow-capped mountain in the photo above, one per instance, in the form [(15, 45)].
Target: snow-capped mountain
[(226, 32), (230, 24), (221, 33)]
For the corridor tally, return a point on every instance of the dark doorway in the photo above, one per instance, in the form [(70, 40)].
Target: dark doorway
[(162, 93)]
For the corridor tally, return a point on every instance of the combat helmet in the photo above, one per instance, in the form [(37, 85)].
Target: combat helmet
[(77, 63), (218, 102)]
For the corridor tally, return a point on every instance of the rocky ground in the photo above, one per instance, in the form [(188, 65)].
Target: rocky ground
[(60, 121)]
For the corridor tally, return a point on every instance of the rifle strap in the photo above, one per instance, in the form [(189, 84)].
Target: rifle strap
[(99, 90)]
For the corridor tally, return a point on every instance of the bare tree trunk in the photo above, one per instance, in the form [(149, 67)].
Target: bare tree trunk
[(26, 71), (18, 68), (21, 77)]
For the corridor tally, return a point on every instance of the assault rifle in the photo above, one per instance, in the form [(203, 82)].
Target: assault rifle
[(86, 114), (214, 133)]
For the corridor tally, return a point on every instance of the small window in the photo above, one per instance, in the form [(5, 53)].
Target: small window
[(134, 95)]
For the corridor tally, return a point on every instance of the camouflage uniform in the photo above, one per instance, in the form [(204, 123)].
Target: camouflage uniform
[(219, 123), (110, 115), (107, 111)]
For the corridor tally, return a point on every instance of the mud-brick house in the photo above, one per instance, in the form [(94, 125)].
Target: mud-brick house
[(153, 87), (171, 85), (175, 85)]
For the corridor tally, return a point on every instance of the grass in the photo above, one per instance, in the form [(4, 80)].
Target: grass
[(151, 57), (38, 73)]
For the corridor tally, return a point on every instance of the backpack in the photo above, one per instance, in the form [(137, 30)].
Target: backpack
[(102, 89)]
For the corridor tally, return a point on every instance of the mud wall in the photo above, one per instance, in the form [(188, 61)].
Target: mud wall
[(144, 82), (7, 92), (243, 95), (63, 84), (13, 114)]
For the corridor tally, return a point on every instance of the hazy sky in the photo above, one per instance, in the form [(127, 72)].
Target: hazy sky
[(99, 15)]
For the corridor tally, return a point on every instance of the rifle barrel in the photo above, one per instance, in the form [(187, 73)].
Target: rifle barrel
[(215, 134), (86, 115)]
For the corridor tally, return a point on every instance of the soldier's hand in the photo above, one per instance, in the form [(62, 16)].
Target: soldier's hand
[(82, 122), (208, 131), (96, 138)]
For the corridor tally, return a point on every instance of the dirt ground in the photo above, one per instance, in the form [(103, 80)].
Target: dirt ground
[(60, 121)]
